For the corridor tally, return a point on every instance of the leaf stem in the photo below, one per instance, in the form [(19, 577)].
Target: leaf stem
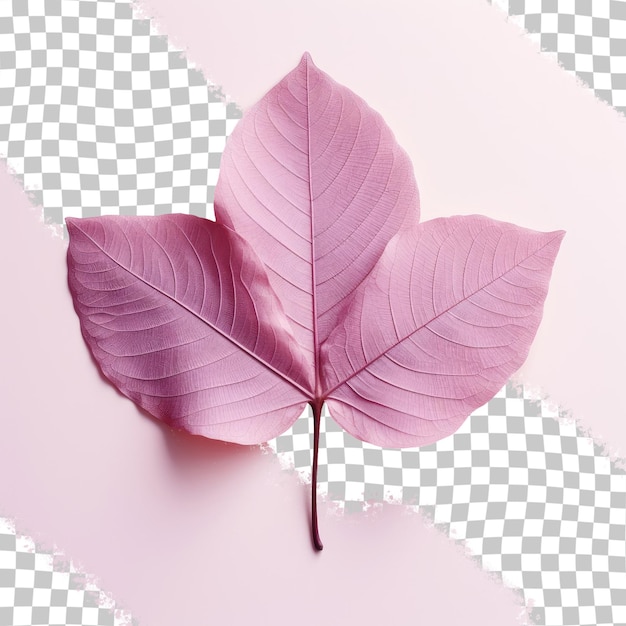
[(317, 414)]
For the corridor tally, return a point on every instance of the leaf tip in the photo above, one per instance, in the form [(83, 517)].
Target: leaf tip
[(307, 60), (71, 224), (555, 238)]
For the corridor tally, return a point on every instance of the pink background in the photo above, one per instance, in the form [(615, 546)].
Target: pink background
[(183, 530)]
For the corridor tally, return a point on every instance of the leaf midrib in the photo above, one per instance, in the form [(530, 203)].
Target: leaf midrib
[(316, 347)]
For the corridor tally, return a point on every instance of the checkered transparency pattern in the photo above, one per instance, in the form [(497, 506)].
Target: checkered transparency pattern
[(100, 115), (530, 496), (37, 587), (587, 36)]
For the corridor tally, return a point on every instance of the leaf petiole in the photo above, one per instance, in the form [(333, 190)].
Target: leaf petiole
[(317, 414)]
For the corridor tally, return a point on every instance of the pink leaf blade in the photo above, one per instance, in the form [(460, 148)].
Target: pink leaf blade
[(316, 179), (180, 316), (445, 318)]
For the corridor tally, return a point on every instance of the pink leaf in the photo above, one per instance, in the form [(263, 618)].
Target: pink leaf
[(403, 329), (178, 313), (445, 318)]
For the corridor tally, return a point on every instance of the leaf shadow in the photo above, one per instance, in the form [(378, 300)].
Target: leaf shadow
[(194, 453)]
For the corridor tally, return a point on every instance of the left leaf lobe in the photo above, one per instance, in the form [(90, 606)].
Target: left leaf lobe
[(179, 315)]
